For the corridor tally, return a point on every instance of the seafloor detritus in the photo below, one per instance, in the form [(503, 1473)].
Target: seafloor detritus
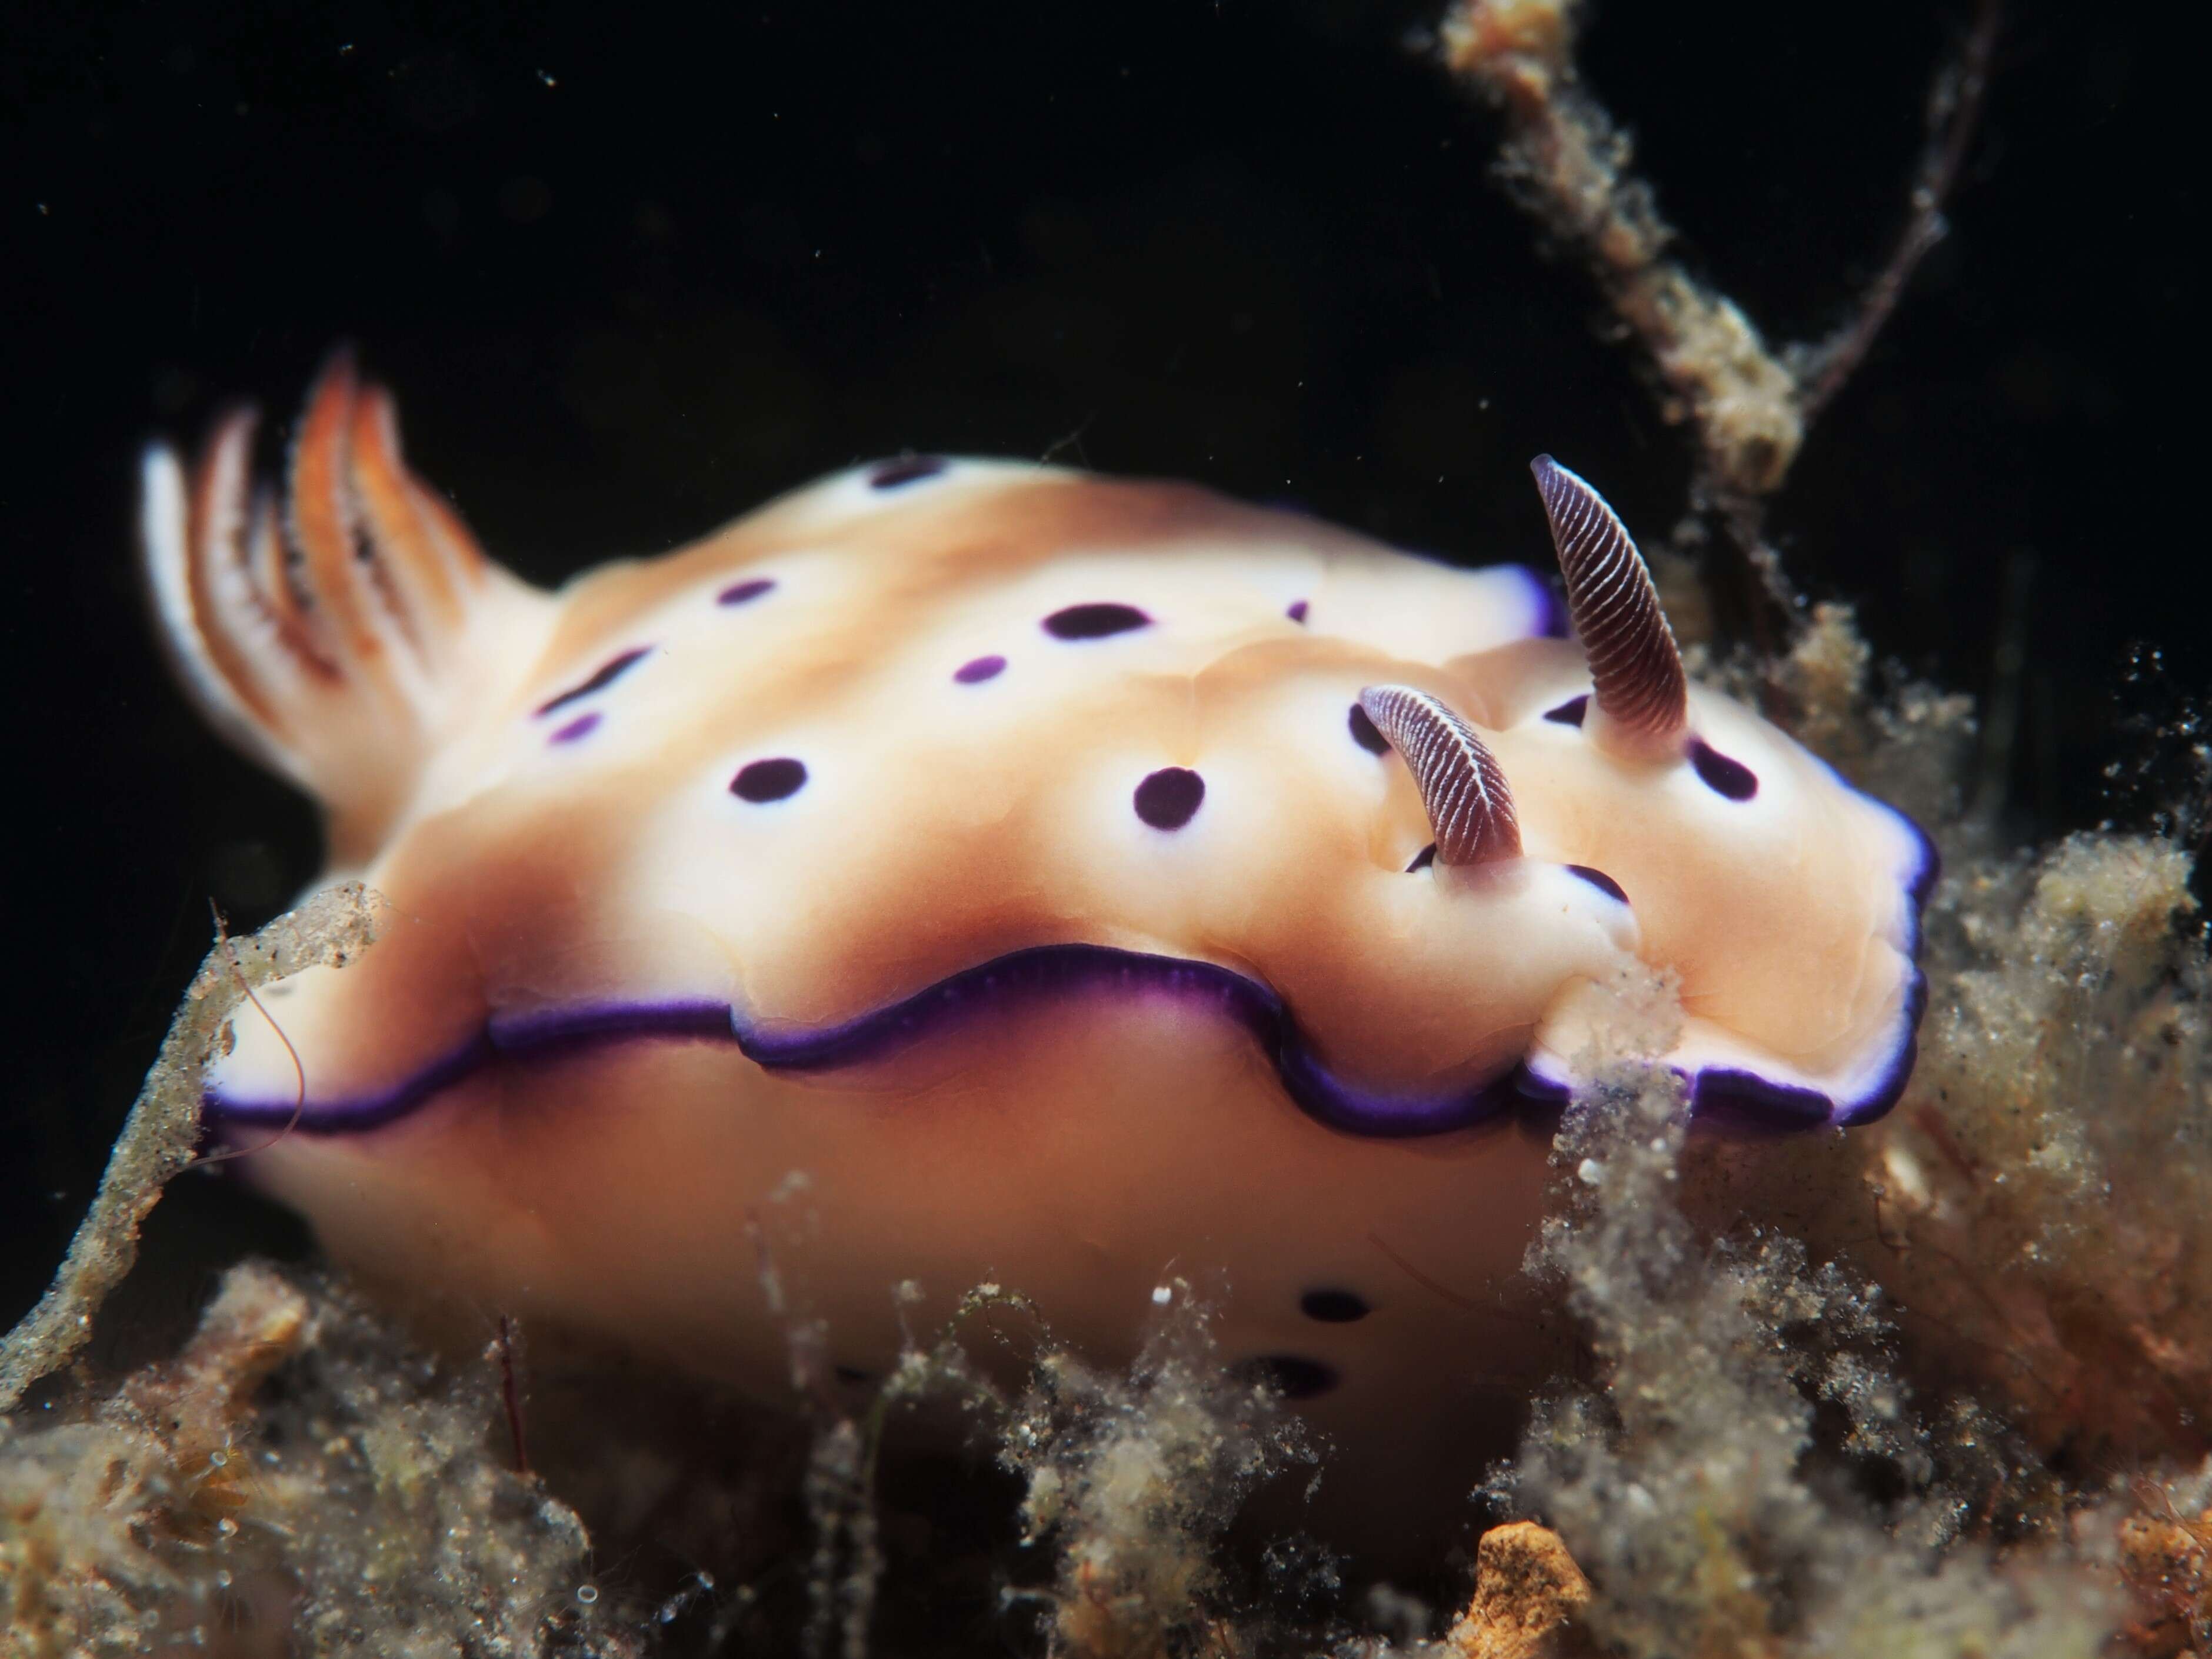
[(158, 1138), (1023, 855), (351, 1510)]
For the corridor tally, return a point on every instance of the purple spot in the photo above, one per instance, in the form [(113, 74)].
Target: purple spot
[(1365, 734), (1094, 621), (575, 728), (745, 591), (1423, 859), (1599, 880), (1722, 775), (1170, 798), (1335, 1307), (980, 669), (1570, 712), (889, 475), (1291, 1375), (1296, 613), (769, 779), (610, 670), (853, 1374)]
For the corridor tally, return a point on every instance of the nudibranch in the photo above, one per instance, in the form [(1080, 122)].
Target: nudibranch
[(1081, 880)]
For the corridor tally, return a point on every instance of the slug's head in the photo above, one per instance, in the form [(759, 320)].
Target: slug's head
[(1787, 901)]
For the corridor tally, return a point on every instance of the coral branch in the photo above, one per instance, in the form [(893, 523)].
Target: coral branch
[(1954, 112), (1748, 404), (1568, 165), (329, 930), (506, 1349)]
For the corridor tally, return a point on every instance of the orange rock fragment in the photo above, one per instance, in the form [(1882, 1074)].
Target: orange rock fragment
[(2165, 1561), (194, 1404), (1528, 1591)]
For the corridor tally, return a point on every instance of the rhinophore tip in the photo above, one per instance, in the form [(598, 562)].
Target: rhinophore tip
[(1635, 672), (1469, 804)]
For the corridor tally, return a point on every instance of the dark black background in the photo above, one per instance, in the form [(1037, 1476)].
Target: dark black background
[(631, 272)]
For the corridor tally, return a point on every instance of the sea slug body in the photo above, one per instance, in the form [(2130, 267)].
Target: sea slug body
[(1073, 876)]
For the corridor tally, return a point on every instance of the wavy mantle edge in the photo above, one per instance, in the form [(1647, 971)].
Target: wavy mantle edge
[(1728, 1097)]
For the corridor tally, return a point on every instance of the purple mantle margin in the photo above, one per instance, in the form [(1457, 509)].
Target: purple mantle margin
[(1724, 1098)]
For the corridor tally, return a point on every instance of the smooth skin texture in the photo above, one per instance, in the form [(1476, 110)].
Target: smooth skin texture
[(996, 844)]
